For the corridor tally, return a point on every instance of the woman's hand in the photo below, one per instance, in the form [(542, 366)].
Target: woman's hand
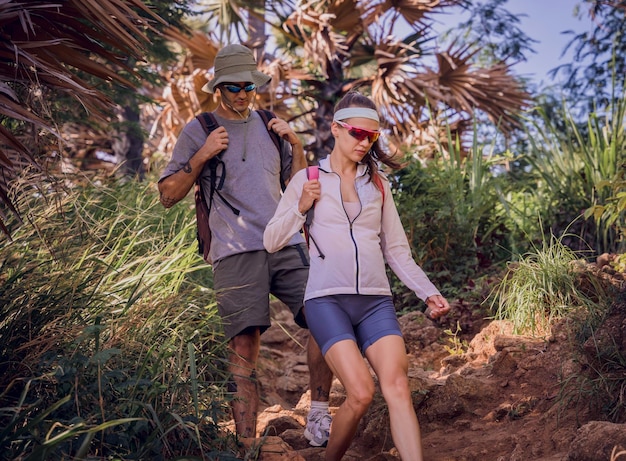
[(311, 191), (437, 307)]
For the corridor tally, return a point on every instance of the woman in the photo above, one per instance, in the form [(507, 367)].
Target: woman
[(355, 229)]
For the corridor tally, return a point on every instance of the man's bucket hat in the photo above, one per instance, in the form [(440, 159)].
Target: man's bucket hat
[(235, 63)]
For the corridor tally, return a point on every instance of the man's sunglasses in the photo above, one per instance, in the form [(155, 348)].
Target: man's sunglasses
[(359, 133), (231, 88)]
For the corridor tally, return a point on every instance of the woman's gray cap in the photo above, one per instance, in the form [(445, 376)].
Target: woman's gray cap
[(235, 63)]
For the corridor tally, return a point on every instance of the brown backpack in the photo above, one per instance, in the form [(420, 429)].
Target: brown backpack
[(203, 233)]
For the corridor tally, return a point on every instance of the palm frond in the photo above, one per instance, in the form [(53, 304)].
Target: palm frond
[(45, 45), (201, 50), (414, 12), (492, 90), (323, 44), (410, 95)]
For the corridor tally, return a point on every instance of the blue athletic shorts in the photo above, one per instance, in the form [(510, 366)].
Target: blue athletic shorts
[(362, 318)]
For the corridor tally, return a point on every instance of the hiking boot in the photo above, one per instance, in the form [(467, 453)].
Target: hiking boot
[(317, 428)]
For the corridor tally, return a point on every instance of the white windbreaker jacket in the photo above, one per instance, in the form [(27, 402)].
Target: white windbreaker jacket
[(348, 257)]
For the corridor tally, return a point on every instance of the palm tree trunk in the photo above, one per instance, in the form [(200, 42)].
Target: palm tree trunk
[(133, 165)]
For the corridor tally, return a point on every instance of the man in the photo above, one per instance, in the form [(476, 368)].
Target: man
[(244, 274)]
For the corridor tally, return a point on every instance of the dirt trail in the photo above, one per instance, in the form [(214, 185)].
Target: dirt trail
[(484, 396)]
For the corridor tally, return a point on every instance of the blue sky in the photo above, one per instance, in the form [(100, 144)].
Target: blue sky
[(544, 21)]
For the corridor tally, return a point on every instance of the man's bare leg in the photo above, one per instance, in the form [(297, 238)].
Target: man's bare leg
[(320, 376), (317, 429), (243, 360)]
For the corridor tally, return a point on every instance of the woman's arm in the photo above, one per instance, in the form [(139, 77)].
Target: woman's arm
[(397, 251), (287, 219)]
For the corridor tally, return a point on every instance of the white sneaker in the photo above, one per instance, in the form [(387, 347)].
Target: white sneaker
[(317, 428)]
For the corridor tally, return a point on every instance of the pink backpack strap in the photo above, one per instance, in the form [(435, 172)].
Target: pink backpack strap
[(312, 172), (378, 182)]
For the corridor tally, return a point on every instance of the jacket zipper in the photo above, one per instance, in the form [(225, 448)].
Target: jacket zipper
[(356, 247), (356, 255)]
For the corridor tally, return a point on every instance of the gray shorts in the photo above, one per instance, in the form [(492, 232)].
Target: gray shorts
[(243, 284), (362, 318)]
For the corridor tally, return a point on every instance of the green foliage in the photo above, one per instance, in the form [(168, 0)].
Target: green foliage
[(451, 213), (110, 341), (546, 285), (600, 384), (608, 142), (574, 168), (611, 216)]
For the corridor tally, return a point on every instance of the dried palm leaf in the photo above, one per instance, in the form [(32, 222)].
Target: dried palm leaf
[(492, 90), (322, 44), (201, 49), (414, 12), (43, 47), (408, 94), (347, 15)]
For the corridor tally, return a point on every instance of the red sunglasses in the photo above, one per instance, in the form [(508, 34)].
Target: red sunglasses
[(360, 133)]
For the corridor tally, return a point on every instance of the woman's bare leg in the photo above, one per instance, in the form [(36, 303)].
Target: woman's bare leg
[(388, 359), (347, 364)]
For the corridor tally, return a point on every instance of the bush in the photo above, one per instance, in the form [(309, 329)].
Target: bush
[(545, 285), (449, 209), (110, 342)]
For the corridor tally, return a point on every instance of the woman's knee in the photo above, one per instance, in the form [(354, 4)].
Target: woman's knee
[(360, 398), (396, 388)]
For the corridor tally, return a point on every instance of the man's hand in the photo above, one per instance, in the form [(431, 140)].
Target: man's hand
[(176, 186), (215, 143), (282, 129)]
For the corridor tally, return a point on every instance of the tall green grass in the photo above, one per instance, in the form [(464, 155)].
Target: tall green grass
[(110, 343), (451, 212), (609, 211), (575, 164), (550, 284), (545, 285)]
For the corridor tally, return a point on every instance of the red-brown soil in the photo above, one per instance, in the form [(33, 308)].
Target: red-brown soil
[(481, 395)]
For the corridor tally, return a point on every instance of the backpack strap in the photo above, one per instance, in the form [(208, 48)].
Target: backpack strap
[(266, 116), (378, 182), (209, 123), (309, 218)]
